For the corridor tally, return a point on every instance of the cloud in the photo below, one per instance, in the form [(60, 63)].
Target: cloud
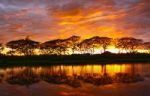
[(51, 19)]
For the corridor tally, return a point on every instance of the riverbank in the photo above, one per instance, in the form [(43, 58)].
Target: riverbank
[(73, 59)]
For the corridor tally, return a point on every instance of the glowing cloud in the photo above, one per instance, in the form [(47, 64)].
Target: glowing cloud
[(50, 19)]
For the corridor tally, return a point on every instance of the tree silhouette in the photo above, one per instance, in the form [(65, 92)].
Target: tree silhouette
[(72, 42), (85, 46), (95, 42), (23, 46), (1, 48), (147, 46), (98, 42), (48, 47), (105, 42), (128, 44), (57, 46)]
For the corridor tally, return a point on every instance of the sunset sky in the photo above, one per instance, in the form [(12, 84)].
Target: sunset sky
[(51, 19)]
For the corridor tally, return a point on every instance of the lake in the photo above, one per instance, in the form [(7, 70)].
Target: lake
[(76, 80)]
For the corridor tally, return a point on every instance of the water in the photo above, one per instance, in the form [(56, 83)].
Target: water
[(80, 80)]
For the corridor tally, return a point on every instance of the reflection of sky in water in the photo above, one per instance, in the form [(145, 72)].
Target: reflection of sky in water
[(110, 69)]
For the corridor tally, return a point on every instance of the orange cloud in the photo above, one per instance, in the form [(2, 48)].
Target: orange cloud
[(50, 19)]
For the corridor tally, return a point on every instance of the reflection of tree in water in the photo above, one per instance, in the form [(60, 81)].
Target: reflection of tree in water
[(1, 77), (61, 78), (97, 79), (127, 78), (26, 77), (59, 75)]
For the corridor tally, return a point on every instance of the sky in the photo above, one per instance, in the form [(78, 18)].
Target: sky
[(44, 20)]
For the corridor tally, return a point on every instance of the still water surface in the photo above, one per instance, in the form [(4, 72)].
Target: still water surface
[(79, 80)]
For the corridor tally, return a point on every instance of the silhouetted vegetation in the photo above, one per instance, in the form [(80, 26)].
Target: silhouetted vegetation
[(23, 46), (147, 46), (1, 48), (75, 59), (128, 44), (74, 45), (74, 50)]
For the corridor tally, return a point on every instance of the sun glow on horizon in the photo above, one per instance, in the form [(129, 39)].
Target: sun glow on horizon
[(110, 49)]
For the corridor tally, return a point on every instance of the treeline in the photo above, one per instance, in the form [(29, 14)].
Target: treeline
[(72, 45)]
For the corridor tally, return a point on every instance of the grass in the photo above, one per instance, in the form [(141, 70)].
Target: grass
[(74, 59)]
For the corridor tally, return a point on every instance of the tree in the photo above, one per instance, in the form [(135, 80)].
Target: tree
[(1, 48), (23, 46), (128, 44), (57, 46), (47, 48), (85, 46), (95, 42), (11, 52), (72, 42), (118, 44), (104, 42), (147, 46)]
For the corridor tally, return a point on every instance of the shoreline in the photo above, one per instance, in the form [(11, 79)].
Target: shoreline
[(81, 59)]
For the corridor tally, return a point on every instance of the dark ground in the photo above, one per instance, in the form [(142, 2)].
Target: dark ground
[(74, 59)]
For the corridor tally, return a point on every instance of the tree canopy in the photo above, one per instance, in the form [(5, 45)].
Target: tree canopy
[(128, 43), (23, 46), (74, 44), (1, 48)]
